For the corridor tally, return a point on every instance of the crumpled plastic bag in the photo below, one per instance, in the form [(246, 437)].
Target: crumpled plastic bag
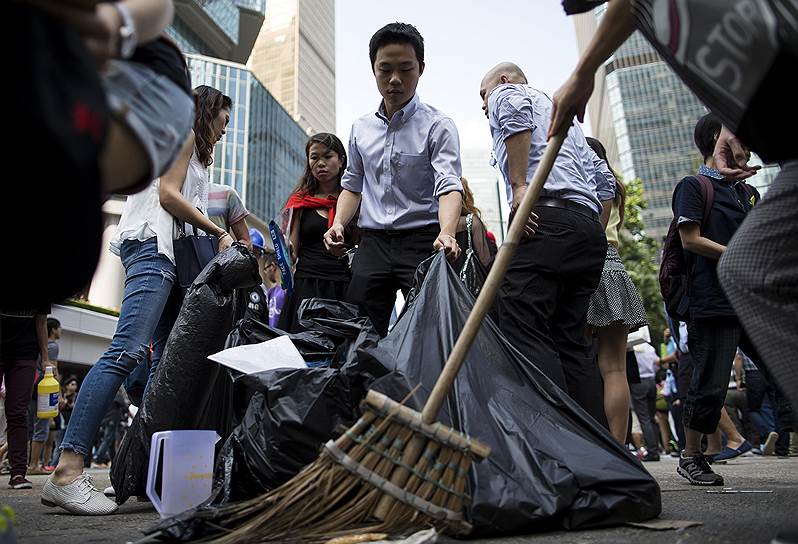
[(188, 391), (552, 466), (292, 411)]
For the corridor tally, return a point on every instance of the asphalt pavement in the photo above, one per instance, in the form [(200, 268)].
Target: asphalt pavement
[(724, 518)]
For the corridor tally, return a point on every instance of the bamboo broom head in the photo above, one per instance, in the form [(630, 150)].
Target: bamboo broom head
[(339, 493)]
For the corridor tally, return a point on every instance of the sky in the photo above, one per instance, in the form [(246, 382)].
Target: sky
[(463, 40)]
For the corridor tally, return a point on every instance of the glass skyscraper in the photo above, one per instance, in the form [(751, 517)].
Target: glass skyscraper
[(262, 154), (224, 29), (276, 146), (653, 115), (294, 56)]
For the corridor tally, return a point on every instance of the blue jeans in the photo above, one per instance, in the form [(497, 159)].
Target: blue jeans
[(149, 277), (59, 437), (137, 383)]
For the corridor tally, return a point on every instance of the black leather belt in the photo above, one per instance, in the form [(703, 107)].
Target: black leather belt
[(429, 229), (570, 205)]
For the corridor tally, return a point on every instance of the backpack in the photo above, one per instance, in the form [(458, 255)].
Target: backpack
[(673, 271)]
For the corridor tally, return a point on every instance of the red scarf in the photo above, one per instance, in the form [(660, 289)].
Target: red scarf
[(298, 201)]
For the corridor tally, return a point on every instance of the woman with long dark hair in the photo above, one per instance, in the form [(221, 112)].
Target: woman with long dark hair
[(471, 232), (318, 274), (475, 260), (144, 241), (615, 309)]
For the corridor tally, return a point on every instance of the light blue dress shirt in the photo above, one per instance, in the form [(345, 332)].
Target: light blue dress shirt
[(605, 179), (514, 108), (400, 166)]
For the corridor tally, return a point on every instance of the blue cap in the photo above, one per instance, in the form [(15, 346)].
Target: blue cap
[(257, 238)]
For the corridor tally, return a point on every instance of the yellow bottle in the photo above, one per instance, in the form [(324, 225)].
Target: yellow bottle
[(48, 393)]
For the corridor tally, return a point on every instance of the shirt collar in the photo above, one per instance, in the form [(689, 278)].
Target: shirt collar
[(705, 170), (404, 114)]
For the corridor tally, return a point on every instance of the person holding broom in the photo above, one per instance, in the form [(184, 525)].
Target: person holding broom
[(404, 173), (542, 303)]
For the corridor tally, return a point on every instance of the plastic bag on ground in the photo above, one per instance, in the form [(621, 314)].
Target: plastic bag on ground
[(291, 412), (551, 465), (187, 390)]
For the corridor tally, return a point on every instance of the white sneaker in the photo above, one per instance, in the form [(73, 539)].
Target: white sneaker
[(109, 491), (80, 497), (770, 444)]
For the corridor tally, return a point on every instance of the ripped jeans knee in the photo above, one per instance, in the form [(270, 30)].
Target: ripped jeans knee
[(125, 361)]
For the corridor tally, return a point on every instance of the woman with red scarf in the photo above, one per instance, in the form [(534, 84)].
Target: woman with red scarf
[(318, 273)]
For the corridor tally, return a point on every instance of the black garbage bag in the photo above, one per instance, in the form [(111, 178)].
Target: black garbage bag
[(551, 464), (291, 412), (188, 391), (312, 345)]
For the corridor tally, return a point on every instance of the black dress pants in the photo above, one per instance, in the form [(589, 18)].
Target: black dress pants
[(713, 341), (385, 262), (542, 303)]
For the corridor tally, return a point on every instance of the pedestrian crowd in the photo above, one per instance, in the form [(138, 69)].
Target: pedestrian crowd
[(363, 216)]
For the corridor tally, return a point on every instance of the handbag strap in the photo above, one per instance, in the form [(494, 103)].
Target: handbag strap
[(470, 249), (181, 227)]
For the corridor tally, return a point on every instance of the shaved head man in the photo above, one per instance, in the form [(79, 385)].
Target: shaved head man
[(543, 301), (504, 72)]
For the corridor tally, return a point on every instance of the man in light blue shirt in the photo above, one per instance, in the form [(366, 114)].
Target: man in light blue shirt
[(543, 301), (404, 174)]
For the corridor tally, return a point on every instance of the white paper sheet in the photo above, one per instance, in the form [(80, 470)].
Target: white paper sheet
[(640, 336), (278, 352)]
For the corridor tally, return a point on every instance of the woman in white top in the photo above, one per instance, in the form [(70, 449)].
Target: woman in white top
[(144, 241)]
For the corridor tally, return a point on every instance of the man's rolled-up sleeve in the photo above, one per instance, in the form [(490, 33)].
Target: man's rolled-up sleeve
[(512, 110), (444, 151), (352, 180)]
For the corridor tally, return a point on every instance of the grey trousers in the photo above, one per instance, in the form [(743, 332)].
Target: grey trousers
[(759, 273), (644, 402)]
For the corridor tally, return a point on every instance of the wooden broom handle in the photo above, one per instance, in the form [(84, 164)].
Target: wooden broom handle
[(486, 295)]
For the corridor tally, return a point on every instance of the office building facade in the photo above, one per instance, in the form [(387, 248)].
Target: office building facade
[(647, 115), (294, 57), (224, 29)]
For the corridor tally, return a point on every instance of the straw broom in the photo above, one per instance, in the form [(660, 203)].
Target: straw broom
[(395, 470)]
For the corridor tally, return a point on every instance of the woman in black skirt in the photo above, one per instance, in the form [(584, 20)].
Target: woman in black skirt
[(318, 274)]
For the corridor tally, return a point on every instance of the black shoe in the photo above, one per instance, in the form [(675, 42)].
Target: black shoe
[(19, 482), (786, 536), (651, 456), (696, 470)]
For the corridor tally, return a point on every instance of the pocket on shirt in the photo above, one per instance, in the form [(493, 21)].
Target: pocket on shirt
[(415, 174)]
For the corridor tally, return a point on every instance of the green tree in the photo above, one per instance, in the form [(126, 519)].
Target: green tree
[(640, 254)]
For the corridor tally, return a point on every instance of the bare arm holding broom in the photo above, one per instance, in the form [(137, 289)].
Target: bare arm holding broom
[(571, 98)]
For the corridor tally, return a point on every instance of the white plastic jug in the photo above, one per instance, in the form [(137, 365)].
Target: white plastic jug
[(185, 459)]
